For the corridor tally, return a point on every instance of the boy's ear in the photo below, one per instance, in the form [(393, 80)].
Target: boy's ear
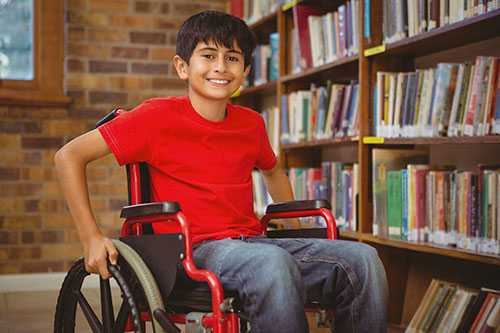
[(247, 71), (181, 67)]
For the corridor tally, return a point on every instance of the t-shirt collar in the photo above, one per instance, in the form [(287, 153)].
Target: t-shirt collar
[(191, 113)]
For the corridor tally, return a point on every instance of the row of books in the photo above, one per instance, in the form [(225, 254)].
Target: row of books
[(407, 18), (320, 113), (335, 182), (319, 37), (449, 100), (450, 307), (417, 202), (265, 62)]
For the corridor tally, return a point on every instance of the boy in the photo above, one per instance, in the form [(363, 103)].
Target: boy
[(200, 151)]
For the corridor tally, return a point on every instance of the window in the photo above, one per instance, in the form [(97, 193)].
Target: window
[(32, 52), (16, 40)]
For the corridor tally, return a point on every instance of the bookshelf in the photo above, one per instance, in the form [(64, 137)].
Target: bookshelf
[(410, 265)]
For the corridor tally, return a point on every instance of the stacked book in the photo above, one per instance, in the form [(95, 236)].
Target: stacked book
[(319, 38), (335, 182), (450, 307), (449, 100), (417, 202), (320, 113), (265, 62), (407, 18)]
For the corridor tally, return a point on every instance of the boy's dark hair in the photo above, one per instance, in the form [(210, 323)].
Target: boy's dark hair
[(218, 27)]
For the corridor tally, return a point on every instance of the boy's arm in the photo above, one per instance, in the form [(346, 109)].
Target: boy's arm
[(71, 161), (279, 188)]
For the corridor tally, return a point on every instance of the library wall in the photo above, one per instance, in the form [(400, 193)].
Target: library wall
[(118, 52)]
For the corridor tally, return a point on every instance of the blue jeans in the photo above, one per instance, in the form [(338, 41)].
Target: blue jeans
[(276, 277)]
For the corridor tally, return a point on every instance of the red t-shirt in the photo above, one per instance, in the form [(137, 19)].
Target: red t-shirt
[(203, 165)]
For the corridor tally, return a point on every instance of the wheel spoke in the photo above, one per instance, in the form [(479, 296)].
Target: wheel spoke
[(121, 318), (94, 323), (108, 316)]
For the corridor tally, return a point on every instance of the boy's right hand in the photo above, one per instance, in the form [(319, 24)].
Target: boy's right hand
[(97, 250)]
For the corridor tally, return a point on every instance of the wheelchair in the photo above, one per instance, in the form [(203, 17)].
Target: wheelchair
[(157, 278)]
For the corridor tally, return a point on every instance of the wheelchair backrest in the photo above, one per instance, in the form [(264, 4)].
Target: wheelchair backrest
[(138, 180)]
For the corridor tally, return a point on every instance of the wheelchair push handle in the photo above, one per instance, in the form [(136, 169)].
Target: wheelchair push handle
[(110, 116)]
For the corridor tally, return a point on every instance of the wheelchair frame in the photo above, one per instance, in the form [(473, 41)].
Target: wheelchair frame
[(223, 318)]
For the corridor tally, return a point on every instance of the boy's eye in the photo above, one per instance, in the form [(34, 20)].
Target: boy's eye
[(208, 56), (233, 59)]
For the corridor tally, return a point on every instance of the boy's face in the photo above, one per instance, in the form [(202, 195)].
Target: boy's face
[(214, 71)]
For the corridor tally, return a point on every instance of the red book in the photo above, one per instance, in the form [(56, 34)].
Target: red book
[(236, 8), (300, 14), (481, 317), (420, 209)]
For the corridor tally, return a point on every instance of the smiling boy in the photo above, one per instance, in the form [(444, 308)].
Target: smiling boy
[(200, 151)]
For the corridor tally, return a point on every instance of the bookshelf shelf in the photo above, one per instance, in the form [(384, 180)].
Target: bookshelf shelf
[(321, 143), (434, 249), (348, 234), (489, 139), (267, 88), (344, 64), (288, 5), (473, 29), (265, 23)]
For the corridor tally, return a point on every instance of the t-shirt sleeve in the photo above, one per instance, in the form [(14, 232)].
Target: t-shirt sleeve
[(266, 159), (128, 136)]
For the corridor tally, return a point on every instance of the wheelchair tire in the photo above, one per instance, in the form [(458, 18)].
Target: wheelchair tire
[(71, 296)]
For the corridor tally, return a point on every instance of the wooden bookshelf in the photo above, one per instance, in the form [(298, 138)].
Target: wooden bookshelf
[(410, 266)]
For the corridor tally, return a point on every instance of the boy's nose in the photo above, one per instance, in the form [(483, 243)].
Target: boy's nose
[(220, 65)]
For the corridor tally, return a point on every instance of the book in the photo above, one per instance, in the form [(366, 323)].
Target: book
[(493, 320), (394, 203), (301, 12), (423, 307)]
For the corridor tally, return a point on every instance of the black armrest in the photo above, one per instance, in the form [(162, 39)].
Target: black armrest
[(294, 206), (107, 117), (153, 208)]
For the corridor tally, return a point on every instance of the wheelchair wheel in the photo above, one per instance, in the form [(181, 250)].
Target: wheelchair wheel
[(73, 302)]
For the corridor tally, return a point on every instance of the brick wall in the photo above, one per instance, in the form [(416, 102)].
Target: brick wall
[(118, 53)]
